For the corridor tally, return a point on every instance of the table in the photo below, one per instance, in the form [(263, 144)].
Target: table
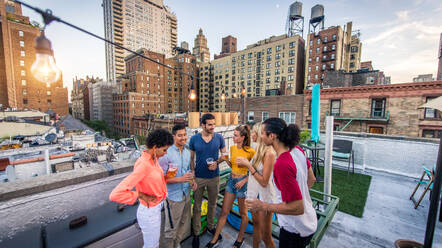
[(315, 159)]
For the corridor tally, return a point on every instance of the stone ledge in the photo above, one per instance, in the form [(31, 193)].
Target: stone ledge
[(11, 190)]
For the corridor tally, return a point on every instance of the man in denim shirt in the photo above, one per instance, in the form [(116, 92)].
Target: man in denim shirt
[(177, 206)]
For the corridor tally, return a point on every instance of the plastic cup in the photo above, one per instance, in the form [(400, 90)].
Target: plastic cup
[(209, 161), (225, 156), (173, 169)]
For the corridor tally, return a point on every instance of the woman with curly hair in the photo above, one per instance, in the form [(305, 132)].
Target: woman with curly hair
[(150, 184)]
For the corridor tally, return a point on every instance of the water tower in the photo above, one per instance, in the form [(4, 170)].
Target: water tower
[(295, 20), (317, 18)]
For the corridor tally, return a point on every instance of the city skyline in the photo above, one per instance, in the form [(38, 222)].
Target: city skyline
[(386, 40)]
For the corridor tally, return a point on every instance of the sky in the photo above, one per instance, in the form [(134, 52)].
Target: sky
[(400, 39)]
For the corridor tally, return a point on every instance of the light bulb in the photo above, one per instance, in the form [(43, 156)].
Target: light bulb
[(223, 97), (243, 91), (44, 68), (192, 95)]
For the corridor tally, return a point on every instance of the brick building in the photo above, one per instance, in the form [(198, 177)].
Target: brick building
[(258, 109), (82, 98), (149, 88), (228, 46), (260, 68), (361, 77), (383, 109), (18, 88), (331, 49)]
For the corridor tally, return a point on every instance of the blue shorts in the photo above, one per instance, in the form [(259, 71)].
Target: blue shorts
[(230, 187)]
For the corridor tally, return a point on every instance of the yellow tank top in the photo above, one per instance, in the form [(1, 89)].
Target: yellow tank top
[(248, 153)]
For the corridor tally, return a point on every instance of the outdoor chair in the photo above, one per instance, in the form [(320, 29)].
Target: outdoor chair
[(428, 182), (343, 149)]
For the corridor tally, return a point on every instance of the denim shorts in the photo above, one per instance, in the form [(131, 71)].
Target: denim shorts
[(230, 187)]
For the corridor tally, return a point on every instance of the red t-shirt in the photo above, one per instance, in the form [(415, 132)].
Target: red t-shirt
[(284, 175)]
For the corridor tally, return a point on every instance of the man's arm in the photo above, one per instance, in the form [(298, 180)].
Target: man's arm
[(192, 160), (290, 208)]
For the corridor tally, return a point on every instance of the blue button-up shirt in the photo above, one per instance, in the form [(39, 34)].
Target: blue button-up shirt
[(182, 159)]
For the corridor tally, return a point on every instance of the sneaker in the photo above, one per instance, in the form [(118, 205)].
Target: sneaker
[(213, 231), (196, 241), (212, 245)]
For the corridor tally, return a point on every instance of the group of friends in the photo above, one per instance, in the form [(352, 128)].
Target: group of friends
[(269, 174)]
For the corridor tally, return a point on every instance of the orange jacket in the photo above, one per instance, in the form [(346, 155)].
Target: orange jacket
[(147, 177)]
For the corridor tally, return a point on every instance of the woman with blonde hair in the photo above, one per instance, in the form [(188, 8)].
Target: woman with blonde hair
[(260, 185)]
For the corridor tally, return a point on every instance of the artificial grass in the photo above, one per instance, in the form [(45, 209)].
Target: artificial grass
[(352, 193)]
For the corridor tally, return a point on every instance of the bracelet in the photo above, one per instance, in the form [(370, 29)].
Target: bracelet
[(254, 173)]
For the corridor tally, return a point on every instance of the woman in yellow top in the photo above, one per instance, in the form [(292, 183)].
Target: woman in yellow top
[(236, 185)]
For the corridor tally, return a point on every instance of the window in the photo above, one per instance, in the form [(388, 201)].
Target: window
[(426, 133), (291, 69), (288, 117), (354, 49), (309, 69), (22, 43), (25, 101), (318, 50), (292, 44), (309, 59), (334, 37), (269, 50), (318, 41), (48, 93), (310, 51), (316, 76), (316, 67), (377, 130), (311, 42), (323, 66), (332, 65), (251, 116), (378, 107), (352, 56), (325, 49), (277, 63), (267, 65), (292, 61), (317, 59), (352, 65), (292, 53), (333, 47), (310, 107), (333, 56), (22, 53), (278, 56), (325, 39), (22, 62), (265, 116), (23, 82), (290, 78), (431, 113), (24, 92), (335, 107), (23, 72), (278, 48)]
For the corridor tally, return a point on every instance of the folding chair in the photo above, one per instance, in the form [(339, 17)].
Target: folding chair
[(343, 149), (428, 186)]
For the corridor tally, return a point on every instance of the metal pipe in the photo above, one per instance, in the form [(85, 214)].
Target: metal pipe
[(432, 212)]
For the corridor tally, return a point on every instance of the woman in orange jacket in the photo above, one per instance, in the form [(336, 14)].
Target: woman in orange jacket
[(150, 184)]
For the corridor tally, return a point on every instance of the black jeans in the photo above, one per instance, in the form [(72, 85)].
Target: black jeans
[(292, 240)]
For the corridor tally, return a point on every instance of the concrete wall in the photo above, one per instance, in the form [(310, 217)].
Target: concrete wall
[(397, 155)]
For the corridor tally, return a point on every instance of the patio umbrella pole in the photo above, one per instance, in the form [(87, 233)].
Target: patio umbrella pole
[(432, 213)]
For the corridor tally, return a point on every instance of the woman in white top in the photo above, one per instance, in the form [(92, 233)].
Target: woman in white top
[(260, 185)]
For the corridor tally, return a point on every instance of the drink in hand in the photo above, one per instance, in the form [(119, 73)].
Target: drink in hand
[(173, 169)]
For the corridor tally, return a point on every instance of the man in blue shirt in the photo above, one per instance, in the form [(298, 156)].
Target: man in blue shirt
[(203, 146), (177, 215)]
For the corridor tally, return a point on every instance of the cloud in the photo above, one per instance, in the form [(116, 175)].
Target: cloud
[(402, 15), (277, 6)]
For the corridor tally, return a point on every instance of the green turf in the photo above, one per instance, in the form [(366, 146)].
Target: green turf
[(352, 193)]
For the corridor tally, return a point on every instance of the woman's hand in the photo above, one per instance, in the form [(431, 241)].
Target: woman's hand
[(241, 183), (241, 161)]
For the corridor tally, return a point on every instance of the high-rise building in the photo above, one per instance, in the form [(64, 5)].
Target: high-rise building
[(260, 69), (18, 88), (136, 24), (228, 46), (150, 88), (439, 70), (333, 48), (200, 49)]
